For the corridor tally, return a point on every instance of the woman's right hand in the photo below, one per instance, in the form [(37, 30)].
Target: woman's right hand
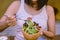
[(11, 20)]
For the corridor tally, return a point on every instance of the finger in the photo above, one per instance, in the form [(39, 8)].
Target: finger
[(8, 21), (12, 23), (11, 17), (41, 31), (13, 20)]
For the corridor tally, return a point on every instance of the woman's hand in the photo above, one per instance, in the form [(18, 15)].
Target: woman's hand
[(11, 20)]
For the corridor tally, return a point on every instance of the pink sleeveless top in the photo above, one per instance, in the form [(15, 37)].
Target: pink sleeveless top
[(22, 15)]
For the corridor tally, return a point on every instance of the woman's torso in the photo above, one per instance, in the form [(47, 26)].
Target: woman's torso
[(41, 18)]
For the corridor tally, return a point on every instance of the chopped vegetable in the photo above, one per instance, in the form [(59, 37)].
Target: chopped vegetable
[(29, 26)]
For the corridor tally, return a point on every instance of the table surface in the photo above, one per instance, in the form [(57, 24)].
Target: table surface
[(56, 37)]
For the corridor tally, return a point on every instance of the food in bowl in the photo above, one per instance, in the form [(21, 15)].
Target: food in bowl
[(31, 29)]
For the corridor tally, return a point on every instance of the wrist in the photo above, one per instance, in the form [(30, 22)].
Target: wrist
[(44, 32)]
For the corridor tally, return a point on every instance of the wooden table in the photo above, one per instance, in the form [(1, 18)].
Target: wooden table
[(11, 37), (56, 37)]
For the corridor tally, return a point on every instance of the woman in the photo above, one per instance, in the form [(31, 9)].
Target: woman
[(38, 10)]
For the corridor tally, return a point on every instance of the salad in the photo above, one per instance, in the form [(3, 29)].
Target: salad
[(31, 27)]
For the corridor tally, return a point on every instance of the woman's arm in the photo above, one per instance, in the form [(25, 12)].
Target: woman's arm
[(51, 23), (12, 9)]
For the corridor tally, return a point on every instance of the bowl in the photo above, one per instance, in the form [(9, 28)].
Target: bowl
[(30, 36)]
